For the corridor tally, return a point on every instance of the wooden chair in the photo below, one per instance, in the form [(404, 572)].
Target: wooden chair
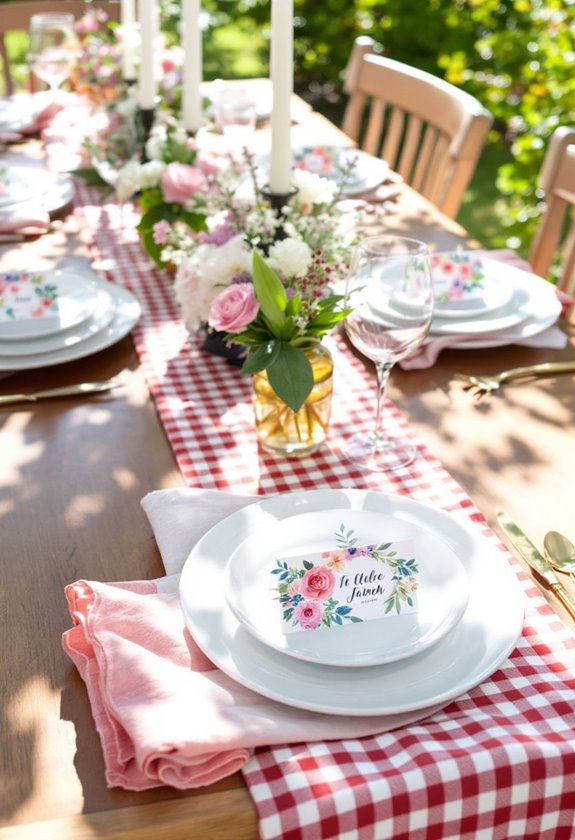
[(16, 16), (556, 233), (429, 131)]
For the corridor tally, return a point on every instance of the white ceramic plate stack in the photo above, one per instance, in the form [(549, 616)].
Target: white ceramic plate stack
[(77, 315), (468, 619), (27, 189), (366, 172), (489, 303)]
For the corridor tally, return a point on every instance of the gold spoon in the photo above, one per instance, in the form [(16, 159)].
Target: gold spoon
[(560, 552)]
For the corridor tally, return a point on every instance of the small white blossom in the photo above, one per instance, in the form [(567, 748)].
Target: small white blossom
[(150, 173), (312, 189), (128, 180), (290, 257)]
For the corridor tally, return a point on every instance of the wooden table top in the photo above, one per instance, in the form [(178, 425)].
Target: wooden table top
[(72, 473)]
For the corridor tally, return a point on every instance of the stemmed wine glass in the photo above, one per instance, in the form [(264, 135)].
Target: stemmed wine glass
[(53, 45), (390, 293)]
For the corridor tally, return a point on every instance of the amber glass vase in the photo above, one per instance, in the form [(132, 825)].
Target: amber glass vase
[(281, 430)]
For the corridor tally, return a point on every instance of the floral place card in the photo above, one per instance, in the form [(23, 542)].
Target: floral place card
[(347, 585), (25, 295), (456, 276)]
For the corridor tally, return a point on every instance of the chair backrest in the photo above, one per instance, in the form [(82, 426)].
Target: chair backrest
[(16, 16), (428, 130), (557, 180)]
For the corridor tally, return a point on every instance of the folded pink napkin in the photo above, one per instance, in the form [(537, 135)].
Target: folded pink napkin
[(552, 338), (27, 221), (42, 112), (164, 713)]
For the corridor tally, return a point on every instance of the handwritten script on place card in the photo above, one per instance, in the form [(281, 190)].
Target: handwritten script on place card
[(349, 584), (24, 295)]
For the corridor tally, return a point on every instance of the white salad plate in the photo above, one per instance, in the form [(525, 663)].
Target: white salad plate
[(126, 312), (533, 303), (103, 315), (252, 576), (475, 647), (463, 287), (70, 299), (367, 173)]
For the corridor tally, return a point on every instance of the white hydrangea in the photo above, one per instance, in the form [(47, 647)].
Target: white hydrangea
[(290, 257), (202, 276), (312, 189), (150, 173), (128, 180)]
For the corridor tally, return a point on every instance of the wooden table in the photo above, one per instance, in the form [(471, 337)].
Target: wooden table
[(73, 472)]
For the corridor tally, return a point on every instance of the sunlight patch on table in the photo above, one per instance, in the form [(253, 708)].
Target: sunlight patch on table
[(82, 508)]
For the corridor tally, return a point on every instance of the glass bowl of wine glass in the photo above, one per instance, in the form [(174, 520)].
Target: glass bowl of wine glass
[(53, 47), (389, 292)]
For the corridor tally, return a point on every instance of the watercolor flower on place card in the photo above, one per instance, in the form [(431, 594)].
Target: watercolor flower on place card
[(456, 276), (346, 585), (25, 295)]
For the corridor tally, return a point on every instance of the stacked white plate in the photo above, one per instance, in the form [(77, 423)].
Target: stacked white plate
[(363, 172), (489, 303), (50, 317), (468, 618), (26, 189)]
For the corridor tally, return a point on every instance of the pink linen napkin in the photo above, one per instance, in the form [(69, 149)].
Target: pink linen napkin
[(552, 338), (42, 112), (26, 221), (165, 714)]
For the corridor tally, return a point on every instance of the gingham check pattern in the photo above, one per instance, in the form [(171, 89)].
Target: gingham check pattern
[(497, 763)]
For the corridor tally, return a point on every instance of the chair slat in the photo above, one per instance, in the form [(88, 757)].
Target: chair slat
[(423, 161), (391, 145), (372, 139), (410, 147)]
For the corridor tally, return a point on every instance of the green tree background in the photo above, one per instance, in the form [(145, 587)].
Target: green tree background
[(516, 56)]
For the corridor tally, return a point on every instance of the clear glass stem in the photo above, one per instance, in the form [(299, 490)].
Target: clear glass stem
[(383, 370)]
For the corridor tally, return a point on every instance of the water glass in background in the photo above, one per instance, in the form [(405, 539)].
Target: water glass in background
[(235, 113)]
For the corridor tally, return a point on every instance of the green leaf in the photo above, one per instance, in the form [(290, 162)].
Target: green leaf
[(290, 375), (157, 213), (150, 198), (271, 295), (259, 358), (91, 176), (197, 221)]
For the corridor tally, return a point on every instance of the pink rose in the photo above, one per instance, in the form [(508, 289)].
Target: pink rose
[(180, 182), (308, 614), (234, 308), (318, 583), (465, 271)]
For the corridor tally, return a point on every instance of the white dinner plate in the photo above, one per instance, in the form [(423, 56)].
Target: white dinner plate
[(440, 598), (533, 300), (36, 304), (13, 115), (463, 287), (103, 315), (43, 190), (126, 314), (367, 173), (474, 649)]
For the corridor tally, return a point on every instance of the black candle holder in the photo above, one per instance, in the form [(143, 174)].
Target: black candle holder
[(277, 201)]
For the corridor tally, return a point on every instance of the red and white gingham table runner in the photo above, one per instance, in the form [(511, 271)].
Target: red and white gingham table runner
[(497, 763)]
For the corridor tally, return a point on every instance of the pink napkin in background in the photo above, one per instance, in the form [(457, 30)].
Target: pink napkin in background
[(552, 338), (164, 713), (25, 221), (42, 113)]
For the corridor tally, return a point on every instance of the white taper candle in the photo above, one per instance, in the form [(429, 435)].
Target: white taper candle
[(147, 81), (281, 65), (192, 75)]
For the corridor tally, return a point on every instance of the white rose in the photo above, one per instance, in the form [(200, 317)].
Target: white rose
[(290, 257), (312, 189)]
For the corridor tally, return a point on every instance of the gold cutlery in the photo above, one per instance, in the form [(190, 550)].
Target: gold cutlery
[(482, 385), (560, 552), (535, 559), (64, 391)]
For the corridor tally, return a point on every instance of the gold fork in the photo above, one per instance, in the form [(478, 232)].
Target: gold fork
[(482, 385)]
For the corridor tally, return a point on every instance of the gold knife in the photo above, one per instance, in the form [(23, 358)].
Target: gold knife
[(64, 391), (536, 560)]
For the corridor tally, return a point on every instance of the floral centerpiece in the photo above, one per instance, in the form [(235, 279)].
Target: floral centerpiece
[(258, 278)]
